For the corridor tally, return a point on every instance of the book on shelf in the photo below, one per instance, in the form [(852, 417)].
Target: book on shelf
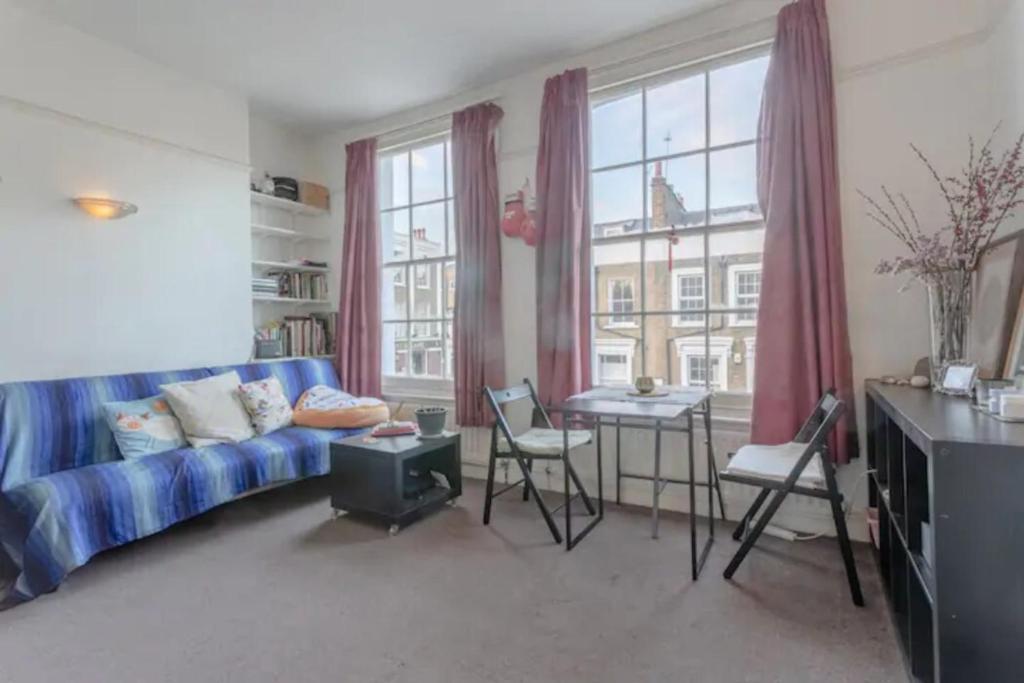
[(302, 335), (265, 286), (300, 285)]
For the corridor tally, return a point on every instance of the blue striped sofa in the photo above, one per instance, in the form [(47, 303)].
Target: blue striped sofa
[(66, 494)]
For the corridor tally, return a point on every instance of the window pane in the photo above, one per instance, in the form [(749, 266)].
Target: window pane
[(449, 289), (705, 361), (618, 201), (395, 293), (689, 293), (617, 356), (394, 230), (675, 117), (732, 253), (452, 241), (660, 335), (687, 254), (449, 368), (450, 177), (734, 185), (428, 173), (395, 358), (622, 301), (394, 180), (426, 353), (426, 291), (616, 131), (428, 231), (735, 101), (617, 265), (676, 192)]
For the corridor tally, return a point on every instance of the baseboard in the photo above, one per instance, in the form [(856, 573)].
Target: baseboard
[(805, 516)]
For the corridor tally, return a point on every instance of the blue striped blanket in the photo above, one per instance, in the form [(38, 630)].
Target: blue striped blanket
[(66, 494)]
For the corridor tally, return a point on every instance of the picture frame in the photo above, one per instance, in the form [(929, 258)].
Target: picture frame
[(1015, 350), (957, 378)]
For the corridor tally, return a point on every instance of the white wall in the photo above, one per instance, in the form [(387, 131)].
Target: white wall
[(1007, 47), (913, 71), (165, 288), (282, 150)]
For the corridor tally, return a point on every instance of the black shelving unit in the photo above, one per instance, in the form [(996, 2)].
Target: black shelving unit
[(948, 486)]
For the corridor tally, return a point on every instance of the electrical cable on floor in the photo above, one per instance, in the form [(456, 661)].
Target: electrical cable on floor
[(848, 504)]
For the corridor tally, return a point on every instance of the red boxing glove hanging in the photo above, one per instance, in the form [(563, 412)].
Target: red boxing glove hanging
[(515, 214)]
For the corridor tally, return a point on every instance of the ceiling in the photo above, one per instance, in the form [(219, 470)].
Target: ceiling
[(333, 63)]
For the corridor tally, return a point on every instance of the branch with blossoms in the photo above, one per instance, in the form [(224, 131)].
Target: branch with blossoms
[(986, 192)]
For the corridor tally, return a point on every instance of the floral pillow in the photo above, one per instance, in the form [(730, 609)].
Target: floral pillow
[(144, 427), (267, 404)]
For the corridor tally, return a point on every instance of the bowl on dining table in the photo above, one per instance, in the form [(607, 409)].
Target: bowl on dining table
[(644, 384)]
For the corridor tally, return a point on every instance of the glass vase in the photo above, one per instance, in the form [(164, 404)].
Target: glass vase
[(949, 303)]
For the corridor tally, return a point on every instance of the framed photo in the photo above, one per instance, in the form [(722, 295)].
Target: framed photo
[(1014, 364), (957, 378)]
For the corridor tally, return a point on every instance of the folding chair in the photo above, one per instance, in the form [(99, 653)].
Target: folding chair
[(541, 442), (793, 468)]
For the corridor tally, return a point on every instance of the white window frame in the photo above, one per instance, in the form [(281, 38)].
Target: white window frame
[(733, 282), (718, 348), (409, 386), (750, 344), (639, 82), (678, 320), (612, 322), (615, 347)]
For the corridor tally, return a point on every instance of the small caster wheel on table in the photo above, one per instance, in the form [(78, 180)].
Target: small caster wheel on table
[(393, 530), (452, 502), (335, 513)]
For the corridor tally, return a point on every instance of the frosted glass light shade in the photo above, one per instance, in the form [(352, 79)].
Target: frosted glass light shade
[(98, 207)]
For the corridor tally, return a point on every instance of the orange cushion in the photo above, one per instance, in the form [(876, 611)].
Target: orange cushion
[(349, 417)]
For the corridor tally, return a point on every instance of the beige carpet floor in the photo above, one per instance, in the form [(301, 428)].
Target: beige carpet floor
[(272, 589)]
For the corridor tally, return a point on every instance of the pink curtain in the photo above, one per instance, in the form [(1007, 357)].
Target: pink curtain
[(359, 329), (563, 248), (803, 345), (479, 339)]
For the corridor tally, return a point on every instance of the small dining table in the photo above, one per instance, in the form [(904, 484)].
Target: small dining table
[(667, 409)]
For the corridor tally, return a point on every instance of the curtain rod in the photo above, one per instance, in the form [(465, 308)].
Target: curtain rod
[(426, 122), (767, 22)]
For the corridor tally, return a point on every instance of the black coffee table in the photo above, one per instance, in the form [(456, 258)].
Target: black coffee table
[(395, 479)]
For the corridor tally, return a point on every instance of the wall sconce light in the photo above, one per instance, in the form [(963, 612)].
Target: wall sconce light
[(105, 208)]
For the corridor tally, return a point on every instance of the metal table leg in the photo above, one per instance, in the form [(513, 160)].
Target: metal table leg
[(711, 470), (657, 479), (618, 460), (693, 496)]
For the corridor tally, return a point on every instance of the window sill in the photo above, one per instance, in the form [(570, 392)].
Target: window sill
[(410, 390)]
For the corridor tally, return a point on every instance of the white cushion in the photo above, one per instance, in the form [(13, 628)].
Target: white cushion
[(210, 410), (776, 462), (542, 441)]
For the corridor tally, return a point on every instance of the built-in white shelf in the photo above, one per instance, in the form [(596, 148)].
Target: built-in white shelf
[(287, 233), (291, 300), (289, 267), (288, 205)]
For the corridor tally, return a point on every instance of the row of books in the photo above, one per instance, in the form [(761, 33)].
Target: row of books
[(311, 335), (301, 285)]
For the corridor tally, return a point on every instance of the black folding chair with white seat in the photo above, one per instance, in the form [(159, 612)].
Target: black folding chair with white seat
[(802, 466), (541, 442)]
